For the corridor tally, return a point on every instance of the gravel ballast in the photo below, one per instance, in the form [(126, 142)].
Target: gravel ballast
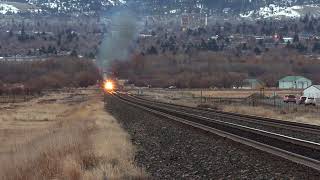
[(171, 150), (309, 136)]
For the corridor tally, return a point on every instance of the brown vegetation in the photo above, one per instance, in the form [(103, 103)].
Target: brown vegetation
[(64, 136), (50, 35), (209, 93), (239, 93), (286, 114), (30, 77), (186, 98), (212, 69)]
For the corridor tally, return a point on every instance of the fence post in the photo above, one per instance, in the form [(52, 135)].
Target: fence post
[(201, 97)]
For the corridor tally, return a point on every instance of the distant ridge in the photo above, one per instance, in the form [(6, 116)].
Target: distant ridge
[(238, 8)]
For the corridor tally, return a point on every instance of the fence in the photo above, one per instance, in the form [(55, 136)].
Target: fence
[(271, 102), (15, 98)]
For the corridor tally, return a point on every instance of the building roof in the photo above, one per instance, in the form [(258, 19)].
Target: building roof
[(316, 86), (293, 78)]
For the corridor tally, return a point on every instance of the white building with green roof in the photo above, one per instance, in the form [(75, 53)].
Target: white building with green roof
[(294, 82)]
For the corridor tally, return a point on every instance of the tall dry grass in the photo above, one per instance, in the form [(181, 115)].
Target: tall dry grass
[(218, 93), (84, 143), (286, 115), (184, 97)]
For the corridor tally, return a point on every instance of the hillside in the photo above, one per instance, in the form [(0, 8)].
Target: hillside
[(243, 8), (58, 6)]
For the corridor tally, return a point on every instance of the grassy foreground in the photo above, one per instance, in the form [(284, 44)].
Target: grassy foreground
[(64, 136)]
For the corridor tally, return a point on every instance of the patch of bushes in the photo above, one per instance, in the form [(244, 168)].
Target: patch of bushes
[(214, 69), (31, 77)]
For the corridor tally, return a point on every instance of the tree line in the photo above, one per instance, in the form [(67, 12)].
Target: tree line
[(214, 69), (32, 77)]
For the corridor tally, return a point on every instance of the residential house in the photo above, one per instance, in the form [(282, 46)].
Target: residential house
[(294, 82)]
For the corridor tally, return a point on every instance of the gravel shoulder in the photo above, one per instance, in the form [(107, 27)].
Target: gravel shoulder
[(170, 150)]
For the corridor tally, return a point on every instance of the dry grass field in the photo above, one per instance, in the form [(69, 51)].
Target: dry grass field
[(185, 97), (227, 93), (243, 93), (64, 136), (307, 118)]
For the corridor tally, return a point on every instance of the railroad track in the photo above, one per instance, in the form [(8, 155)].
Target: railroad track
[(297, 130), (296, 150)]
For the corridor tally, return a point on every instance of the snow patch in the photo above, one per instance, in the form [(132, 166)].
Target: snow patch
[(173, 11), (114, 2), (274, 11), (73, 5), (51, 5), (247, 14), (7, 8)]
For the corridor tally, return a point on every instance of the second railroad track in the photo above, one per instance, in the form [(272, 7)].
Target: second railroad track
[(296, 142)]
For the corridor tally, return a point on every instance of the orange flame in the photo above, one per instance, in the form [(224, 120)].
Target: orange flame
[(108, 85)]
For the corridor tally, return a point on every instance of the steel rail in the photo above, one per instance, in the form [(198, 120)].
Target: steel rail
[(289, 139), (247, 118), (270, 148)]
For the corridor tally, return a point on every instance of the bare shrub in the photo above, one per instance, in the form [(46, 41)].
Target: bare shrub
[(53, 73), (283, 112), (85, 78), (214, 69)]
